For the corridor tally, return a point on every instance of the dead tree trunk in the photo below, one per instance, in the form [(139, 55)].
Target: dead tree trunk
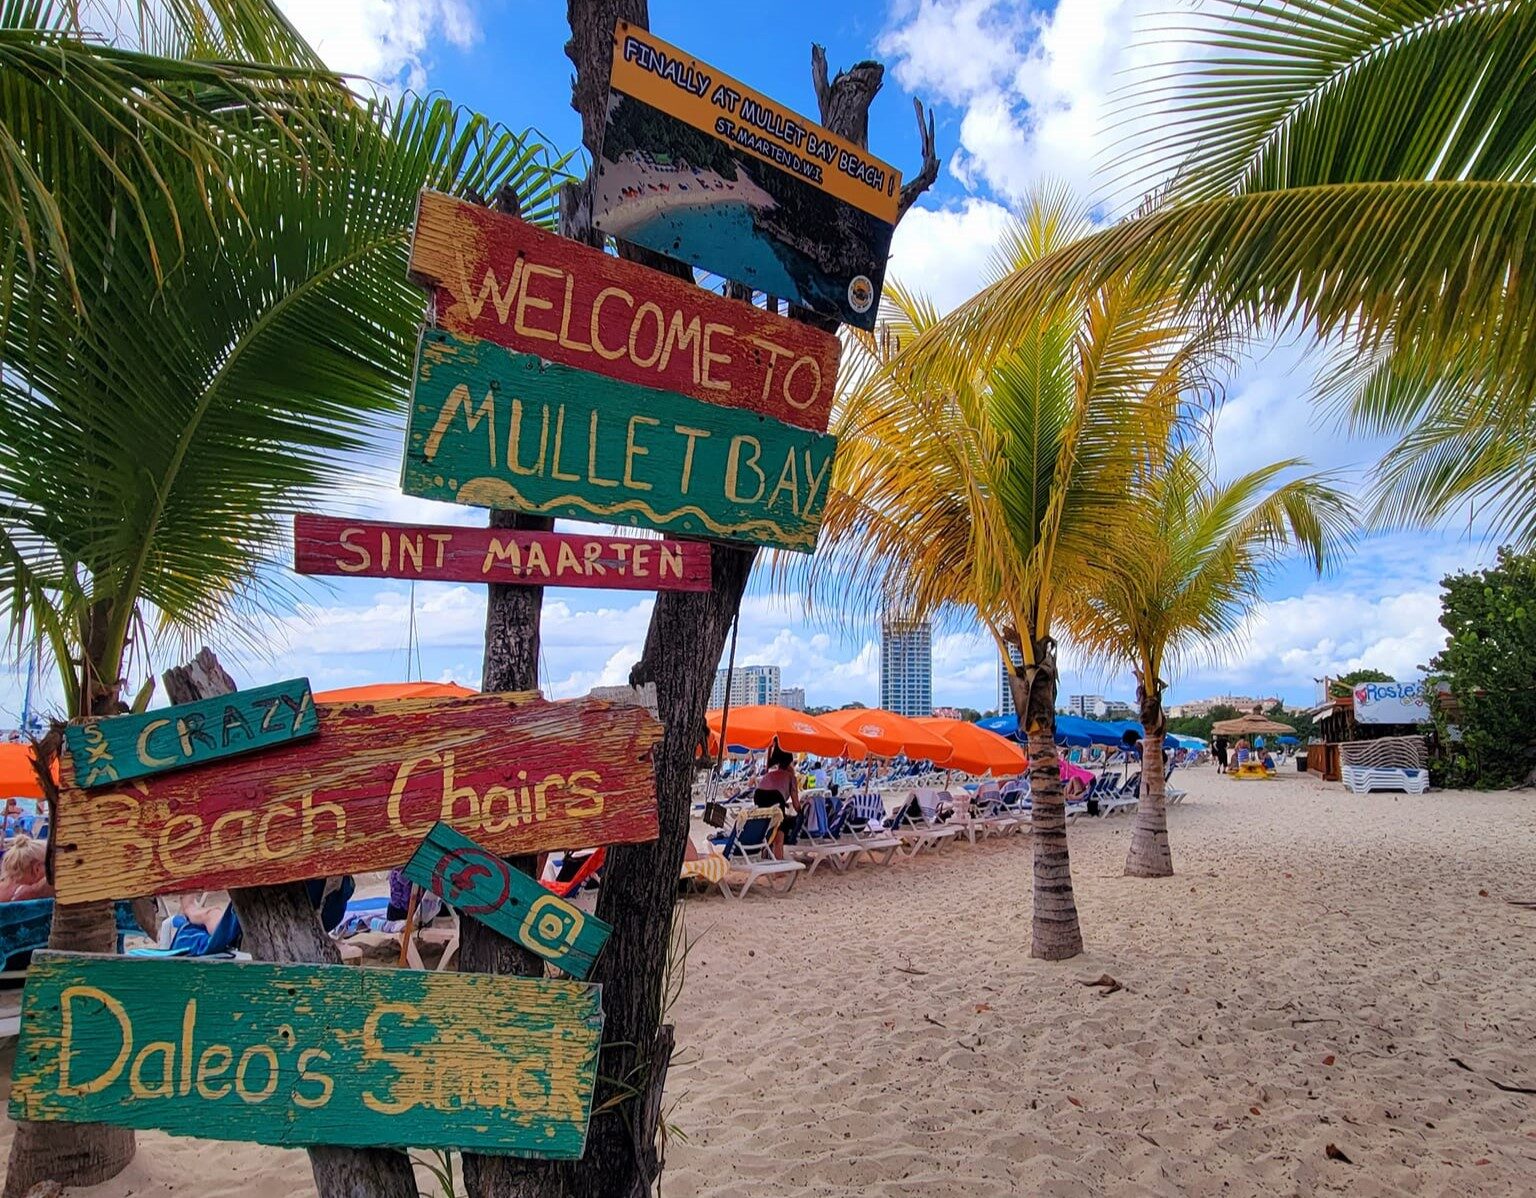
[(76, 1154), (682, 651), (511, 663), (279, 924)]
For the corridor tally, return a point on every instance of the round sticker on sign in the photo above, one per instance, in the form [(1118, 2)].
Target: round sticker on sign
[(861, 294)]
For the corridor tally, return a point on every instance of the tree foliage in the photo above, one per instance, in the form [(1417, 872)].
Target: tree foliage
[(1343, 686), (1489, 664), (1364, 171), (203, 346)]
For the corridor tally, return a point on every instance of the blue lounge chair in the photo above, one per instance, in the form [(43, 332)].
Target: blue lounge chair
[(818, 841), (749, 856), (24, 927)]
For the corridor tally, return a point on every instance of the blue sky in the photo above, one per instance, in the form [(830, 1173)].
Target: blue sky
[(1021, 96)]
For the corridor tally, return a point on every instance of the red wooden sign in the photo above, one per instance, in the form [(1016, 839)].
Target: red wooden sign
[(503, 280), (443, 553), (515, 773)]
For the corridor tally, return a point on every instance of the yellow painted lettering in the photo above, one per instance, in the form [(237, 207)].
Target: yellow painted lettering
[(264, 849), (565, 321), (68, 1087), (528, 300), (593, 797), (592, 553), (711, 357), (413, 551), (327, 1086), (536, 560), (373, 1050), (733, 464), (680, 336), (441, 540), (567, 559), (671, 560), (633, 451), (789, 480), (205, 1070), (459, 398), (397, 795), (146, 756), (559, 438), (514, 439), (241, 849), (164, 1086), (592, 476), (693, 434), (364, 558), (801, 365), (634, 330), (264, 1051), (605, 294), (171, 843), (502, 551)]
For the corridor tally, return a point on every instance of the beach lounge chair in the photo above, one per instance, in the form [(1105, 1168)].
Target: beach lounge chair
[(921, 831), (748, 853), (1002, 814), (24, 928), (819, 842), (860, 820)]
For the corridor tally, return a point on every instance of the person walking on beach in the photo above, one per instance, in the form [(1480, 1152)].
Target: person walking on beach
[(1221, 754)]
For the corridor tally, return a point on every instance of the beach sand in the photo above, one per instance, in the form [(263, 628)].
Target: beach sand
[(1309, 977)]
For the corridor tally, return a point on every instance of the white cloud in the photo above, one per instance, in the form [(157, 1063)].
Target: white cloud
[(385, 41), (1038, 90), (946, 253)]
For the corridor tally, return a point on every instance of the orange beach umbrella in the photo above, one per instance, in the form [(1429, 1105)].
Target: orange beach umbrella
[(17, 778), (976, 749), (889, 735), (378, 691), (757, 727)]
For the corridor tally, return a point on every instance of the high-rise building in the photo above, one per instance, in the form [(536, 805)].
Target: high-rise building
[(1089, 707), (792, 697), (906, 667), (750, 686), (1004, 691)]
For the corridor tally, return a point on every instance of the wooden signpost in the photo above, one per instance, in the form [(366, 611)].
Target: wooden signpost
[(447, 553), (310, 1054), (519, 774), (123, 747), (699, 166), (479, 883), (507, 281), (504, 430)]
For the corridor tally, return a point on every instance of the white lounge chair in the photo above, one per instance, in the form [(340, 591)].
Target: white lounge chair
[(749, 856), (818, 843), (917, 833)]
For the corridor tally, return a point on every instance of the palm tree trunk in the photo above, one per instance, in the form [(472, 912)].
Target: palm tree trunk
[(76, 1154), (1149, 855), (1056, 933)]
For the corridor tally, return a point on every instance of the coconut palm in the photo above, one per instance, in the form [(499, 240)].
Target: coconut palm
[(197, 341), (1365, 170), (1187, 565), (997, 494)]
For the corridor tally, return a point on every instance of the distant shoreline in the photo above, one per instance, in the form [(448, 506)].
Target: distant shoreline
[(654, 192)]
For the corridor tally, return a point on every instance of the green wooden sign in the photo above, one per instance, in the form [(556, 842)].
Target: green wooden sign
[(310, 1054), (504, 430), (477, 882), (134, 746)]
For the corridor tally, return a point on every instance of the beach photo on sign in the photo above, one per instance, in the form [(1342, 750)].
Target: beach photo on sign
[(664, 184)]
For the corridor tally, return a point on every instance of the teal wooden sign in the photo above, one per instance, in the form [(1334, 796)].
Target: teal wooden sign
[(310, 1054), (499, 429), (477, 882), (121, 747)]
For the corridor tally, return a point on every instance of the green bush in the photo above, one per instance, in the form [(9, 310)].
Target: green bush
[(1489, 664)]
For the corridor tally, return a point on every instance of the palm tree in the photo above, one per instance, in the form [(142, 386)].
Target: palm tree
[(1362, 170), (1186, 566), (201, 333), (996, 494)]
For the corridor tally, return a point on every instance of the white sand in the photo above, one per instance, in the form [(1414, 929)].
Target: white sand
[(885, 1032)]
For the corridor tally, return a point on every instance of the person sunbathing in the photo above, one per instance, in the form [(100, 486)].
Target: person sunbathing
[(24, 871)]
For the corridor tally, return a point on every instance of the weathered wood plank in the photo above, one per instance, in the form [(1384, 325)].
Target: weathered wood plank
[(446, 553), (477, 882), (121, 747), (503, 430), (309, 1054), (699, 166), (507, 281), (520, 774)]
